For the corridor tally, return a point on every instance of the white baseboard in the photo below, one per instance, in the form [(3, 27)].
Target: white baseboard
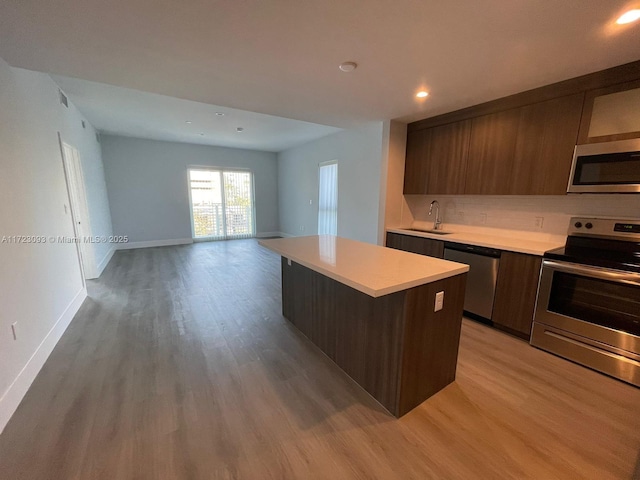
[(268, 234), (155, 243), (286, 235), (17, 390), (105, 261)]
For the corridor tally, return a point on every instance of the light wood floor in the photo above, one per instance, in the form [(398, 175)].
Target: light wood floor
[(180, 366)]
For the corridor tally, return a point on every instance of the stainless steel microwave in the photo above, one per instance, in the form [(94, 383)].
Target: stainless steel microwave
[(612, 167)]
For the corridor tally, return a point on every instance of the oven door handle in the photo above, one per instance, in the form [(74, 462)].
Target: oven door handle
[(594, 272)]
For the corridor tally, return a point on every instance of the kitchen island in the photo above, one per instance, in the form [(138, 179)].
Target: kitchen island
[(371, 310)]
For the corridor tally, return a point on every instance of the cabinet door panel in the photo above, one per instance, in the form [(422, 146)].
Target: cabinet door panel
[(547, 134), (447, 155), (616, 111), (516, 292), (491, 150), (422, 246), (415, 167)]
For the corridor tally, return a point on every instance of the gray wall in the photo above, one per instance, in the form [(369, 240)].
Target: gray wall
[(360, 183), (148, 189), (40, 284)]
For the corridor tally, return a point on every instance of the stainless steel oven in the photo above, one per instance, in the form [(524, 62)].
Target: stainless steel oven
[(588, 305), (611, 167)]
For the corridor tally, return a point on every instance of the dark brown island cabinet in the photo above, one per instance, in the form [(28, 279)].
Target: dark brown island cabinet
[(375, 312)]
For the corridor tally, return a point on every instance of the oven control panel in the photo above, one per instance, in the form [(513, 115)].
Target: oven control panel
[(619, 228), (627, 227)]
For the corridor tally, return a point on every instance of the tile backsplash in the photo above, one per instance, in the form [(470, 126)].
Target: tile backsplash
[(535, 214)]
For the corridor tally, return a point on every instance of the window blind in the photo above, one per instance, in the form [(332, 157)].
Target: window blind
[(328, 199)]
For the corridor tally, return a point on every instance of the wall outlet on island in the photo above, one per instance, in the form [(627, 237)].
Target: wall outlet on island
[(538, 222), (439, 302)]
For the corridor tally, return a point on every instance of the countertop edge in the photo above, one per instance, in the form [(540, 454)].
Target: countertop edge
[(361, 288), (454, 238)]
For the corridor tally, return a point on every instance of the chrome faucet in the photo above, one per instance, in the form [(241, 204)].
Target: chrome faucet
[(437, 223)]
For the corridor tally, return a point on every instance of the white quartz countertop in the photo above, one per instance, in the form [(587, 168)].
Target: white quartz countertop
[(371, 269), (520, 245)]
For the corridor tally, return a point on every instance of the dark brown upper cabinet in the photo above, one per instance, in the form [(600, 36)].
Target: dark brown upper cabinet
[(611, 113), (447, 158), (416, 166), (520, 151), (522, 144), (546, 139), (526, 150), (437, 159), (491, 150)]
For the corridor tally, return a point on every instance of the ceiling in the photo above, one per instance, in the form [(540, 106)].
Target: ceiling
[(132, 113), (280, 57)]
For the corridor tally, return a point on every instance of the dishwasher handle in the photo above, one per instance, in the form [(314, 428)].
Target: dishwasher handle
[(484, 251)]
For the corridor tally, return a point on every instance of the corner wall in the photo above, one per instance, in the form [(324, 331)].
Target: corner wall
[(41, 286), (395, 204), (359, 152)]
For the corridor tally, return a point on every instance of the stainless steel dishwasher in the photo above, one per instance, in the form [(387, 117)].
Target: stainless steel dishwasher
[(483, 274)]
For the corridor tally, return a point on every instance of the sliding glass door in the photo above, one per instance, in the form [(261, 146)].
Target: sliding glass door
[(221, 204)]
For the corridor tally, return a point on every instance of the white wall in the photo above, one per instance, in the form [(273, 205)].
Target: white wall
[(360, 183), (40, 284), (96, 190), (148, 188)]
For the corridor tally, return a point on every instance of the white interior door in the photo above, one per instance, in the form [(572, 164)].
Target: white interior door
[(79, 209)]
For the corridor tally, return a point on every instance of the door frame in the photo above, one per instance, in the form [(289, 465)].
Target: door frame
[(77, 196)]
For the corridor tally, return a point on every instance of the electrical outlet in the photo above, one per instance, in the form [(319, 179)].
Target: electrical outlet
[(439, 302), (538, 222), (14, 330), (302, 228), (483, 218)]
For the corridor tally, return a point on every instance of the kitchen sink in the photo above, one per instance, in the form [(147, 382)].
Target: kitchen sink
[(437, 232)]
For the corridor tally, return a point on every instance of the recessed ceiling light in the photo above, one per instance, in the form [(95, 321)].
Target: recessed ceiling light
[(239, 129), (188, 122), (422, 94), (220, 114), (202, 134), (628, 17), (348, 66)]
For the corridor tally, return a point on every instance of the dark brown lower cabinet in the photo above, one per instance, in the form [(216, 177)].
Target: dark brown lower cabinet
[(516, 290), (394, 346), (420, 245)]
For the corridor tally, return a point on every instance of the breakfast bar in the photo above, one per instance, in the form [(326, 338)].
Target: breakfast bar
[(390, 319)]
